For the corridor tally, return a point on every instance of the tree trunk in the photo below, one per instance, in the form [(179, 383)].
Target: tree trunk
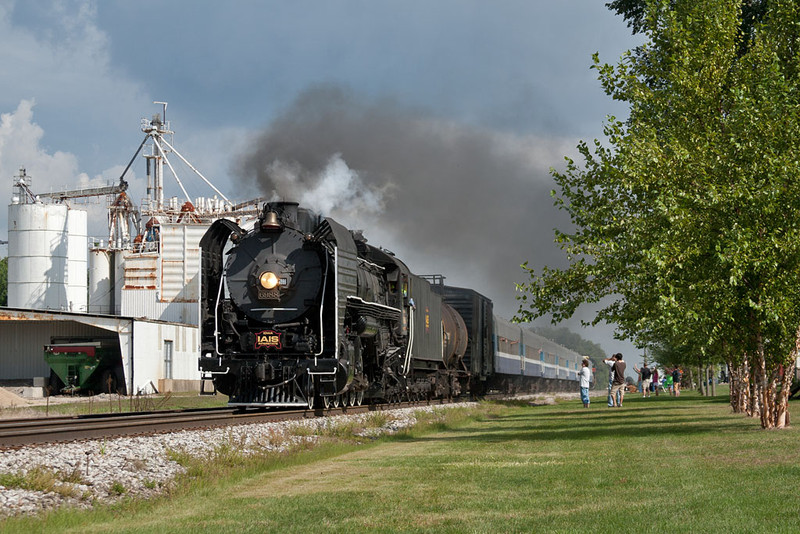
[(753, 400), (745, 386), (764, 383), (699, 389), (774, 385), (782, 398), (738, 396)]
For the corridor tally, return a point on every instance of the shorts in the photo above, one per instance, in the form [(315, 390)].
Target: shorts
[(585, 395), (617, 388), (646, 385)]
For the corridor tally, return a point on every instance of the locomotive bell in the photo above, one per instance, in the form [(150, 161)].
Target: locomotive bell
[(270, 222)]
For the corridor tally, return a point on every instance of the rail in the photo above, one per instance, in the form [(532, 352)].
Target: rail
[(16, 433)]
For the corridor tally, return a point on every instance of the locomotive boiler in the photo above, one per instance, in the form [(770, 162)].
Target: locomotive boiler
[(299, 310)]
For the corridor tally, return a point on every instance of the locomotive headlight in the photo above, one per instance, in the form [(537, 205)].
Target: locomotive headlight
[(268, 280)]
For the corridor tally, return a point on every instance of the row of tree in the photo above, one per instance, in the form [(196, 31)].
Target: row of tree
[(689, 223)]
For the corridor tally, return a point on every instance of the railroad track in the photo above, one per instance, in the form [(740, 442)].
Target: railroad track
[(23, 432)]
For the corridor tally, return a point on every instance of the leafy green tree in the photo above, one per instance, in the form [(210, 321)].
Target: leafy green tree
[(691, 223), (635, 14)]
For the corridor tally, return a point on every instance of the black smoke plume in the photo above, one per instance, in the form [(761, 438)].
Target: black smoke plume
[(447, 198)]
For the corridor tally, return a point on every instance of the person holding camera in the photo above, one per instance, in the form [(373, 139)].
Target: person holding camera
[(645, 374), (618, 387), (613, 399)]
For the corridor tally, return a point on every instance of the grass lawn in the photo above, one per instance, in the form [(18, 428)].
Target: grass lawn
[(661, 464)]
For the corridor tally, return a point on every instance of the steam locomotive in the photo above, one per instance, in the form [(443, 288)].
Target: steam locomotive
[(301, 311)]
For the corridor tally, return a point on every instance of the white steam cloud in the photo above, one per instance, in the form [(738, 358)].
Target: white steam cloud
[(335, 187)]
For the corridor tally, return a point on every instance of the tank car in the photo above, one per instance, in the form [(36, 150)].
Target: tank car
[(504, 357), (298, 310)]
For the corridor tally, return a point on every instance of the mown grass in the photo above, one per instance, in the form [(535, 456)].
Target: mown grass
[(662, 464)]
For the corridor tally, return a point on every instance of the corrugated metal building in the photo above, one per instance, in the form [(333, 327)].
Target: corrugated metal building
[(148, 299), (164, 284), (152, 351), (142, 287)]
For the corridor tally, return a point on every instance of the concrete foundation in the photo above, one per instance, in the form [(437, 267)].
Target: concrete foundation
[(178, 386), (33, 392)]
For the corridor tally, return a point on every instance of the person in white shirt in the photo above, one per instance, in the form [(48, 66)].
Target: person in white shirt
[(586, 378)]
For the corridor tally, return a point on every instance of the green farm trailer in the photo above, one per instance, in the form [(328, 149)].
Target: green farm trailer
[(86, 366)]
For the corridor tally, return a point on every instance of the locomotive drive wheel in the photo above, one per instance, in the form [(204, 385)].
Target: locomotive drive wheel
[(310, 394)]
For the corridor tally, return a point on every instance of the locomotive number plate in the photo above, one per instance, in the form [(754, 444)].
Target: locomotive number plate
[(269, 294)]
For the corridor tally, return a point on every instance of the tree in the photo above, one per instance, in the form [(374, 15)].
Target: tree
[(691, 223), (635, 11)]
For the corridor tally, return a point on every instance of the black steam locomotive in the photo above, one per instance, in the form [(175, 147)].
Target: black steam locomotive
[(300, 310)]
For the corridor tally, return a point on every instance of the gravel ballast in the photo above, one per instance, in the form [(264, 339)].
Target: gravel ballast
[(102, 471)]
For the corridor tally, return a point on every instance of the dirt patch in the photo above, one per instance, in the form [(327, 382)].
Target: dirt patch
[(11, 397), (11, 400)]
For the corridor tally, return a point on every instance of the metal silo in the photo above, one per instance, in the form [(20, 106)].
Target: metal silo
[(101, 287), (37, 256), (77, 260)]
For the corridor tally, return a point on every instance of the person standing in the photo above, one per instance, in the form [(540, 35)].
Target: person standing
[(619, 381), (586, 378), (645, 375), (610, 362), (656, 380), (677, 375)]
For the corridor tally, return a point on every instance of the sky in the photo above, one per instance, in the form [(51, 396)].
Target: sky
[(432, 126)]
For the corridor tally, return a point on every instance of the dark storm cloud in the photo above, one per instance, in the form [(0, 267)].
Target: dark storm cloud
[(468, 203)]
